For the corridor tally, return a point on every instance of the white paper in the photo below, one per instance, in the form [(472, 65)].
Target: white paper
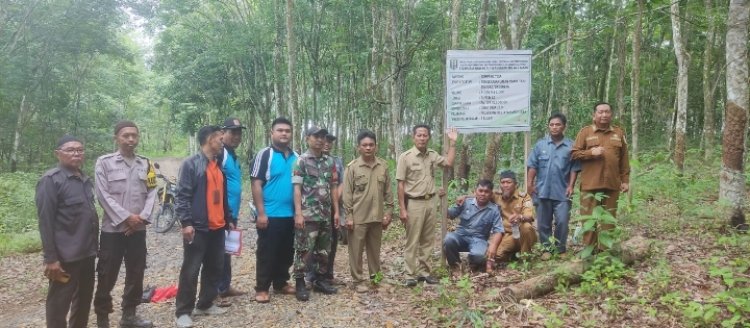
[(233, 242)]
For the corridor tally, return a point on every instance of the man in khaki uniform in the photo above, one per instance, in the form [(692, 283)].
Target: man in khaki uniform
[(516, 208), (368, 203), (603, 153), (415, 173), (127, 197)]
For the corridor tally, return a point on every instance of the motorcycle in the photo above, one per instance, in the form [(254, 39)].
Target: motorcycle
[(165, 218)]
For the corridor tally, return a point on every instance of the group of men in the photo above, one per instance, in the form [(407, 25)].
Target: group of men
[(125, 187), (302, 202), (72, 236), (498, 227)]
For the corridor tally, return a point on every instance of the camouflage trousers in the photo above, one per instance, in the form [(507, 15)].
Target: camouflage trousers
[(312, 244)]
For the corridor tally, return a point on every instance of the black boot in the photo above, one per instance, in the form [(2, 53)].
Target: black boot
[(322, 285), (131, 320), (301, 292), (102, 320)]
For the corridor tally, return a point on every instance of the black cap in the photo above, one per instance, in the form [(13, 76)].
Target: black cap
[(232, 123), (508, 174), (330, 137), (316, 130), (65, 139)]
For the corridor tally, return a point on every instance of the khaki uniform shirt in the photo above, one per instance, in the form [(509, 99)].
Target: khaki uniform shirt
[(417, 170), (367, 188), (609, 170), (121, 190), (520, 202)]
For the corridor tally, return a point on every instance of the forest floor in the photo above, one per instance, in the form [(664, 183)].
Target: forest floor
[(655, 292)]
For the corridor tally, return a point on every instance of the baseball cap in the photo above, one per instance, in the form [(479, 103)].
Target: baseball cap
[(315, 130), (232, 123)]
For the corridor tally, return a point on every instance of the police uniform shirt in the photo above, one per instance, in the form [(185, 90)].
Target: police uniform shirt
[(122, 191)]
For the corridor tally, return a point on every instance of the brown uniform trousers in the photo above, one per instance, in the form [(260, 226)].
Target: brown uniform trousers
[(602, 173), (521, 203), (367, 197), (417, 170), (588, 202)]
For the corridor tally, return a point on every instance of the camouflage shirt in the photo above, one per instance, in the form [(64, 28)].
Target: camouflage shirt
[(318, 178)]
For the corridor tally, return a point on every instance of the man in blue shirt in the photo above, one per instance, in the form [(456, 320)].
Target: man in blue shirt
[(231, 138), (480, 221), (550, 180), (273, 196)]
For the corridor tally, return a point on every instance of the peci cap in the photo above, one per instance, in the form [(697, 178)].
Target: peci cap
[(65, 139), (232, 123), (316, 130), (508, 174)]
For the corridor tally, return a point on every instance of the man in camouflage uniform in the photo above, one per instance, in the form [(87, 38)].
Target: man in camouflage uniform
[(315, 181)]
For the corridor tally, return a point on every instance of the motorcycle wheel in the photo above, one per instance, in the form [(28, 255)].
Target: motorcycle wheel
[(166, 218)]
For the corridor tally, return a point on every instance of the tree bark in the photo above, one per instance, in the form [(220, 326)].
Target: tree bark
[(708, 94), (635, 83), (621, 62), (291, 51), (682, 86), (567, 68), (482, 26), (397, 82), (732, 176), (632, 250)]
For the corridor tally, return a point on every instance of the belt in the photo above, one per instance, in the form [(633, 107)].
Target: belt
[(425, 197)]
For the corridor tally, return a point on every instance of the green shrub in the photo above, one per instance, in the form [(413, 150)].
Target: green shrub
[(17, 209)]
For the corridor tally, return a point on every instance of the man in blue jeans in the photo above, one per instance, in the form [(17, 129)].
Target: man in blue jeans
[(479, 222), (550, 180), (231, 138)]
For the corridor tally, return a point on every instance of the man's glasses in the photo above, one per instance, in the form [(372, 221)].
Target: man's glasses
[(73, 150)]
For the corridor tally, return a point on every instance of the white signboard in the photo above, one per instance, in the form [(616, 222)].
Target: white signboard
[(488, 90)]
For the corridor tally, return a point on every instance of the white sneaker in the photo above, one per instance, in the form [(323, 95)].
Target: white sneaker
[(184, 321), (213, 310)]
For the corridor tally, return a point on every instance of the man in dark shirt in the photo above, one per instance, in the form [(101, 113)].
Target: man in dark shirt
[(68, 225), (203, 210)]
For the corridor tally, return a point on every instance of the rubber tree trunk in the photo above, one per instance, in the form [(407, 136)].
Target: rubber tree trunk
[(732, 177), (682, 87)]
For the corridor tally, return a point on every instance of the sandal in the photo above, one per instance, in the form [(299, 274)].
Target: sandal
[(222, 302), (286, 290), (262, 297)]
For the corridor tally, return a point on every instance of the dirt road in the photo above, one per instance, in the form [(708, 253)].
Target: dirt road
[(24, 290)]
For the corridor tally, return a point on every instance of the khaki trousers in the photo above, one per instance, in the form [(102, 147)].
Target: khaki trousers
[(588, 202), (420, 236), (509, 246), (364, 237)]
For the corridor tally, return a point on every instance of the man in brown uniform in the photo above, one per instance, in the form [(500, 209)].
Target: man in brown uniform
[(603, 153), (368, 203), (516, 207), (415, 173)]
